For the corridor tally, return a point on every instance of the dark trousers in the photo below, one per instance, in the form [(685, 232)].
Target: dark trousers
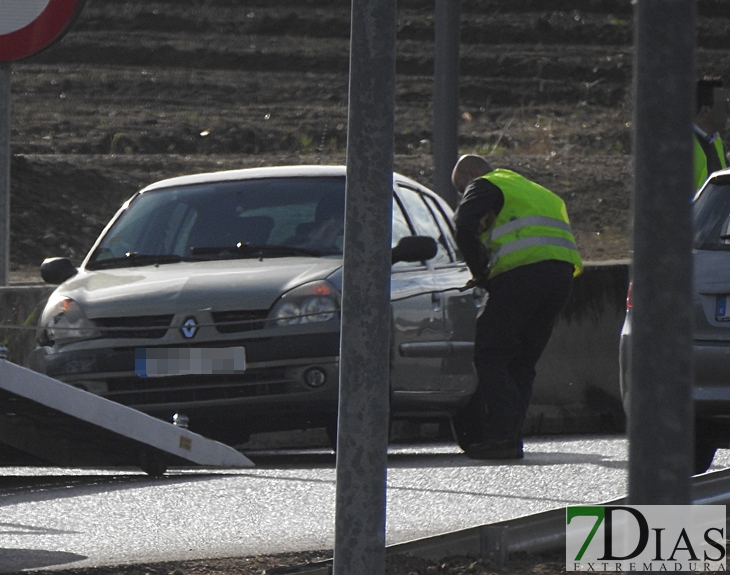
[(511, 334)]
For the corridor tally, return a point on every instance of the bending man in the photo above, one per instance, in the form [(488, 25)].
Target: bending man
[(516, 239)]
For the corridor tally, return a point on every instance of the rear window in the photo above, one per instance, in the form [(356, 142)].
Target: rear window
[(711, 216)]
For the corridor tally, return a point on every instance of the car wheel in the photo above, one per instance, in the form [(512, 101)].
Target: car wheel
[(152, 464), (704, 454)]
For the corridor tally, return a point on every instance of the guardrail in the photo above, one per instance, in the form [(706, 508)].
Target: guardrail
[(539, 532), (543, 531)]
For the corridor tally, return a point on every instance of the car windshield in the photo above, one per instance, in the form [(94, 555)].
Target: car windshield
[(712, 216), (272, 217)]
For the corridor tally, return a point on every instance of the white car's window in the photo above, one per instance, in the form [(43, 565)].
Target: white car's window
[(401, 228), (422, 220), (249, 218), (712, 217), (444, 223)]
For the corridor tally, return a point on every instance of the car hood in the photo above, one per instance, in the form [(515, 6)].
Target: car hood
[(248, 284)]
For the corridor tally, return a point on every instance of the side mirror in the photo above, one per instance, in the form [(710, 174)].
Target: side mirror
[(414, 249), (55, 271)]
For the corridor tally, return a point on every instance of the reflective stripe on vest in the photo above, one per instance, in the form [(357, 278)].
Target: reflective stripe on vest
[(515, 225), (531, 242)]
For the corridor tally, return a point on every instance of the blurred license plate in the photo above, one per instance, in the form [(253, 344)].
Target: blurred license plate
[(160, 362), (722, 311)]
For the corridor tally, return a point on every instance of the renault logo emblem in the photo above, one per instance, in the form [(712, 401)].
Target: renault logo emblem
[(189, 328)]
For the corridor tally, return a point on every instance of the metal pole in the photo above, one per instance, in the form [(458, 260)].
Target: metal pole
[(447, 22), (660, 418), (362, 442), (4, 173)]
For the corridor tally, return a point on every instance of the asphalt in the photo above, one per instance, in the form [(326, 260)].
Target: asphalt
[(63, 517)]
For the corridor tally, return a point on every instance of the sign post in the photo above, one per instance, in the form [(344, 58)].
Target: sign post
[(660, 415), (4, 172), (26, 28), (362, 437)]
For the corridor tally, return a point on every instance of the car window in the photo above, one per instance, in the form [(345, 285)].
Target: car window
[(401, 228), (220, 219), (711, 215), (444, 222), (424, 222)]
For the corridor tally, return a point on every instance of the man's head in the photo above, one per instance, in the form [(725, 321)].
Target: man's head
[(710, 102), (468, 168)]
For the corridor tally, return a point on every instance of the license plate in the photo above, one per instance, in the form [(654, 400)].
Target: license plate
[(162, 362), (722, 310)]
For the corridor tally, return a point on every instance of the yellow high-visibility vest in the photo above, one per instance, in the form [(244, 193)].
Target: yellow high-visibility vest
[(701, 174), (532, 227)]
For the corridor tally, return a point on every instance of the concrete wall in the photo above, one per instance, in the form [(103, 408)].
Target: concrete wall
[(20, 308), (577, 384), (576, 390)]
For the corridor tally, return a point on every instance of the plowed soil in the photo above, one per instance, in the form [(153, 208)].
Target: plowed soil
[(138, 91), (141, 90)]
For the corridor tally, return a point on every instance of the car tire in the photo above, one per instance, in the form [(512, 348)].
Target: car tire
[(703, 456), (153, 464)]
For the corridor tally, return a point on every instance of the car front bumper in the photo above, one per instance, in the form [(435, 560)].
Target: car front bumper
[(271, 394)]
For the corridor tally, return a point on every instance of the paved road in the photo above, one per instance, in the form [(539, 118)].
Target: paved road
[(55, 517)]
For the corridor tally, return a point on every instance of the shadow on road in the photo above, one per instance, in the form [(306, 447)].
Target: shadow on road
[(13, 560)]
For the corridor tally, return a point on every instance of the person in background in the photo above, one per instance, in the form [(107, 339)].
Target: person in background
[(516, 240), (710, 116)]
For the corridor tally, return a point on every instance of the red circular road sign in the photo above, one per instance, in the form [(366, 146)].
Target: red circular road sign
[(29, 26)]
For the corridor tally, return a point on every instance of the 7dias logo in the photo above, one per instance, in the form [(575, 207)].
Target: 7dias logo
[(645, 538)]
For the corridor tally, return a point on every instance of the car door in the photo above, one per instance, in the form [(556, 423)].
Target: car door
[(432, 368), (460, 306)]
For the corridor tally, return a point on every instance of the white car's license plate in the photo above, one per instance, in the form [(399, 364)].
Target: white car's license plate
[(722, 310), (161, 362)]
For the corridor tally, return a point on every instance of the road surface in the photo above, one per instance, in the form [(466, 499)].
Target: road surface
[(56, 517)]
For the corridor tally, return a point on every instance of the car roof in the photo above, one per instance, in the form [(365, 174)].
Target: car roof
[(303, 171), (720, 173)]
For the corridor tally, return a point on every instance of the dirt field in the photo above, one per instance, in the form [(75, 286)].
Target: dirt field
[(552, 563), (140, 90)]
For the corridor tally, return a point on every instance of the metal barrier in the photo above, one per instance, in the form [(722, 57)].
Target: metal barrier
[(43, 420)]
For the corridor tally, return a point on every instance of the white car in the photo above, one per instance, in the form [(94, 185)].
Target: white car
[(215, 299), (711, 322)]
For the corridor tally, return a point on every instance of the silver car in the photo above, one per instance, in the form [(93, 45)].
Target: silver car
[(711, 321), (214, 299)]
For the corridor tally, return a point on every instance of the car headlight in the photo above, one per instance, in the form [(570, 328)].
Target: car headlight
[(311, 303), (68, 322)]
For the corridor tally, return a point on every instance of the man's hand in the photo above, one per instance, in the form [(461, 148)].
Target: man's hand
[(476, 282)]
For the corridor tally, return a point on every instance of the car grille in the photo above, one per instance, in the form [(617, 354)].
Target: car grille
[(143, 326), (135, 391), (237, 321)]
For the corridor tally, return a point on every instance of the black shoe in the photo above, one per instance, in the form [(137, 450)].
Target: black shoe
[(495, 449)]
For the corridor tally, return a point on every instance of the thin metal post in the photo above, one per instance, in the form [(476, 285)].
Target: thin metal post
[(4, 173), (362, 442), (447, 21), (660, 418)]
